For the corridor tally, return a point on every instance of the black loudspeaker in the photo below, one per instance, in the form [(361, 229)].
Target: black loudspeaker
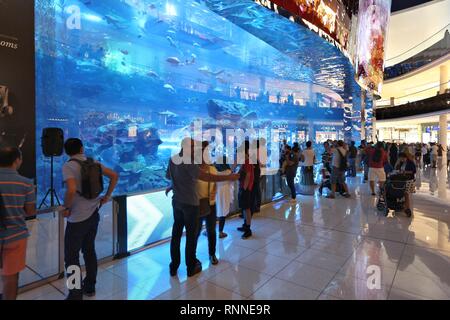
[(52, 142)]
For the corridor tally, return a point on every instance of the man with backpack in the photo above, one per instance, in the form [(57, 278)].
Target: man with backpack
[(17, 200), (84, 182), (338, 168)]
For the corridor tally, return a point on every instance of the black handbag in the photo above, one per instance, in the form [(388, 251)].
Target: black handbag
[(204, 206)]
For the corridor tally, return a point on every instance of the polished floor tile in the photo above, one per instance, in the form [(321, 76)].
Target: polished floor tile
[(210, 291), (265, 263), (305, 275), (240, 280), (321, 259), (277, 289), (283, 249), (350, 288)]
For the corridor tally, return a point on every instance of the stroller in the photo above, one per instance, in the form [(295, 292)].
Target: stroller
[(326, 183), (392, 194)]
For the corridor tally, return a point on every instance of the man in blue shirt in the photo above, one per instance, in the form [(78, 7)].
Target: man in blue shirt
[(17, 200)]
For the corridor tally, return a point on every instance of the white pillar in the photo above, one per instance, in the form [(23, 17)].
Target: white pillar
[(392, 102), (420, 133), (442, 174), (443, 79)]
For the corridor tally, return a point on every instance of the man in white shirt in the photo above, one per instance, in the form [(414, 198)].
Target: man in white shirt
[(337, 172)]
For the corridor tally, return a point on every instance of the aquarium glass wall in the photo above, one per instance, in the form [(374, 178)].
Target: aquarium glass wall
[(130, 77)]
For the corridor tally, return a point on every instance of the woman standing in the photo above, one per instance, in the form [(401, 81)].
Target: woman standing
[(224, 196), (291, 170), (377, 158), (206, 192), (406, 166), (307, 177)]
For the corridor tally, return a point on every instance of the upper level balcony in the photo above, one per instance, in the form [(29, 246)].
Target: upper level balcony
[(438, 51), (434, 105)]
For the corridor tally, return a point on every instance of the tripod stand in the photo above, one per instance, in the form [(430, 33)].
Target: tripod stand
[(51, 191)]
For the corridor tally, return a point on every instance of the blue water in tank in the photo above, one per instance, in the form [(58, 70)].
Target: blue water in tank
[(129, 77)]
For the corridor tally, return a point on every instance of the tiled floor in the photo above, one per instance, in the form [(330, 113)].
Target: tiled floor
[(316, 248)]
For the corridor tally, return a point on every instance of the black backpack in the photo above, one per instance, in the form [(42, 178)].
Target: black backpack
[(342, 161), (91, 178)]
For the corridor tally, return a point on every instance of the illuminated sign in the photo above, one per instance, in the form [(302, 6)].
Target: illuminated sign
[(331, 19)]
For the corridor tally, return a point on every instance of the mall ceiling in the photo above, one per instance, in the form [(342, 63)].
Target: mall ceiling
[(330, 67)]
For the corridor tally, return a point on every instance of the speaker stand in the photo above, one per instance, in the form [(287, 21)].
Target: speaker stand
[(51, 191)]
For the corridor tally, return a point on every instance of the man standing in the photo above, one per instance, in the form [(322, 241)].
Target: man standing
[(183, 173), (338, 169), (17, 200), (352, 159), (326, 156), (82, 217)]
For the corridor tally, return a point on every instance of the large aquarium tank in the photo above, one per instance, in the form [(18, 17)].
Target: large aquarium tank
[(130, 77)]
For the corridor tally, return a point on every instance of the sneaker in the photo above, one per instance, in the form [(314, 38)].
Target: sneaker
[(247, 234), (222, 235), (193, 272), (75, 296), (173, 270), (89, 292), (213, 259)]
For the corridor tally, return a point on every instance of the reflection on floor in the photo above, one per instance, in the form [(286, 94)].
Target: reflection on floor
[(316, 248)]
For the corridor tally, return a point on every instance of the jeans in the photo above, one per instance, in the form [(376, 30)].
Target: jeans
[(351, 167), (290, 182), (210, 221), (81, 236), (184, 215), (221, 224), (258, 194)]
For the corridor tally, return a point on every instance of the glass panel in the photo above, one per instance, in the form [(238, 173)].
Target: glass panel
[(104, 243), (42, 249), (149, 218)]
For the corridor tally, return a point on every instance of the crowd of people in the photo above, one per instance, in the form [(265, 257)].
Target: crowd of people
[(202, 193)]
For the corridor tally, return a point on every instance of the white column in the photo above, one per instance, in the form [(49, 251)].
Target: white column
[(442, 169), (420, 133), (444, 78), (392, 101)]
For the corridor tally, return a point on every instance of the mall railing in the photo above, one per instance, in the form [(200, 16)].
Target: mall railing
[(434, 104), (430, 51)]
